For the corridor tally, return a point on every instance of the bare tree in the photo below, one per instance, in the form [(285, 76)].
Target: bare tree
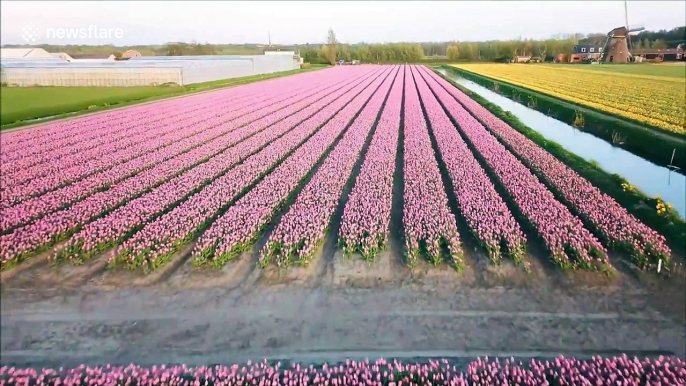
[(331, 48), (542, 50)]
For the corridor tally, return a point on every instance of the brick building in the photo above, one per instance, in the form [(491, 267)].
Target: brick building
[(585, 53)]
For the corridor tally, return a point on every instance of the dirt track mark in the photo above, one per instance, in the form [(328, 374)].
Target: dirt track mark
[(198, 326)]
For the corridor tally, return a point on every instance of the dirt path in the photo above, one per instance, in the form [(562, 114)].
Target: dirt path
[(398, 314)]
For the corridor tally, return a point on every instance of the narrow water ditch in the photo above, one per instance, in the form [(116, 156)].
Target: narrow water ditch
[(652, 179)]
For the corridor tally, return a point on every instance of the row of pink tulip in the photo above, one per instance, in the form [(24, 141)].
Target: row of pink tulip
[(568, 242), (304, 226), (121, 149), (113, 228), (61, 130), (619, 370), (116, 136), (93, 135), (65, 133), (27, 240), (44, 178), (158, 240), (123, 133), (183, 152), (237, 229), (367, 215), (601, 212), (484, 211), (428, 223), (58, 135)]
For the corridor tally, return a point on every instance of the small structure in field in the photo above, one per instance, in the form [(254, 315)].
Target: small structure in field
[(128, 54), (522, 59)]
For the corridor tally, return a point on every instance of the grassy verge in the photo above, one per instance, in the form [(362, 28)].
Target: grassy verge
[(654, 146), (636, 202), (28, 105)]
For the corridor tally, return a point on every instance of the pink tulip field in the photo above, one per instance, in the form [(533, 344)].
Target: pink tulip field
[(604, 215), (279, 167), (429, 225), (619, 370), (367, 215)]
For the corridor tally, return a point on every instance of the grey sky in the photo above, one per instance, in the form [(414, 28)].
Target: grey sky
[(156, 22)]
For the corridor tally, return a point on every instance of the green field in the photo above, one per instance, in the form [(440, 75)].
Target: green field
[(23, 105), (677, 70)]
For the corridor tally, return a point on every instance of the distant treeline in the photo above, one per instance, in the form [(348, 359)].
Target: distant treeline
[(391, 52), (646, 39)]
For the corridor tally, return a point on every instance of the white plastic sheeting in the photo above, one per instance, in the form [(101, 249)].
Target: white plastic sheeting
[(90, 76), (144, 71), (24, 53), (209, 70)]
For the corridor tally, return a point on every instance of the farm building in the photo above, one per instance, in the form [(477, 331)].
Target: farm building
[(585, 53), (659, 54)]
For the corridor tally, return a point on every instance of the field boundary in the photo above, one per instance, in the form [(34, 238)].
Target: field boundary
[(192, 90), (636, 202), (638, 139)]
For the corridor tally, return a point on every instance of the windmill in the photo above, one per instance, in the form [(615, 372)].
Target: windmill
[(618, 44)]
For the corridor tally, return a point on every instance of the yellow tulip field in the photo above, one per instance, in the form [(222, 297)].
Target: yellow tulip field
[(657, 101)]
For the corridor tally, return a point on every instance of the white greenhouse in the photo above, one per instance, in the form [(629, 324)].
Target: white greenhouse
[(54, 70)]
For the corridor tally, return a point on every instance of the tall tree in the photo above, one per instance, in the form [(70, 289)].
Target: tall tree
[(331, 47), (453, 52), (659, 43)]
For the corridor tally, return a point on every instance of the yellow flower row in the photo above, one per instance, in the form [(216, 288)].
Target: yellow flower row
[(653, 100), (662, 206)]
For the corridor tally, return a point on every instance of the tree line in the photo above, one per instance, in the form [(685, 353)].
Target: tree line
[(332, 51), (493, 50), (446, 51)]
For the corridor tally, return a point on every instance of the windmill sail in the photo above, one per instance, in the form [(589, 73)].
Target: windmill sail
[(636, 28)]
